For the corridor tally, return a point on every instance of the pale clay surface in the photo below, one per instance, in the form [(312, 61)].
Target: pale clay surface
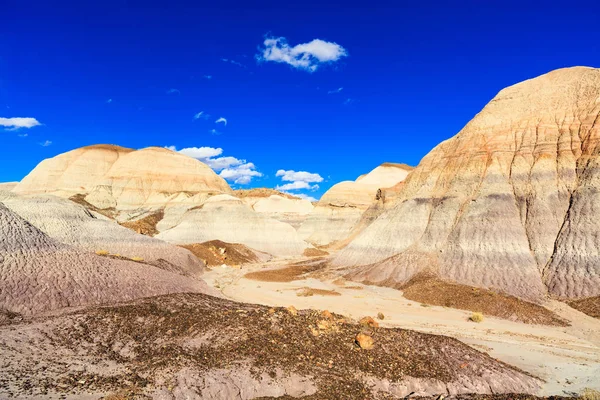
[(509, 203), (227, 218), (72, 224), (40, 274)]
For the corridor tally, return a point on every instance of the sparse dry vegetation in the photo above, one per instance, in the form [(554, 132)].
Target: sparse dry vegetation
[(589, 394), (102, 252), (137, 259), (476, 317)]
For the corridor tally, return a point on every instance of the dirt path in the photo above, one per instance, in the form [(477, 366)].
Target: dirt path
[(567, 358)]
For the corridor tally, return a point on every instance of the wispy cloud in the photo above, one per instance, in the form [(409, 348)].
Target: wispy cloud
[(335, 90), (109, 101), (233, 169), (202, 115), (227, 60), (307, 56), (12, 124), (207, 76), (223, 120), (348, 101), (46, 143), (173, 91), (214, 132)]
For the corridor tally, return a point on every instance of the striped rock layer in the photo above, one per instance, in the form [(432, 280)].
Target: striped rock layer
[(511, 202)]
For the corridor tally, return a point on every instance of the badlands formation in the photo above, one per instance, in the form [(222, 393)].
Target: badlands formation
[(338, 214), (509, 203), (123, 180), (118, 268)]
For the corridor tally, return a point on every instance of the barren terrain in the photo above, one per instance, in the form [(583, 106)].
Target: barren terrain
[(567, 358)]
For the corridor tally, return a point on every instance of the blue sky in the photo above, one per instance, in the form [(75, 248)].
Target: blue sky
[(357, 84)]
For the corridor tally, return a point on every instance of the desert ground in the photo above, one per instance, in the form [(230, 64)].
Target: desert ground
[(566, 358)]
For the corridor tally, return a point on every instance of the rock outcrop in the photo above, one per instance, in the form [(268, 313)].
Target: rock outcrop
[(125, 180), (37, 273), (508, 203), (72, 224), (227, 218), (341, 208), (280, 206)]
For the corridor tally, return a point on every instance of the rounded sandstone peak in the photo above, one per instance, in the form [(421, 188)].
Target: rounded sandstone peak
[(508, 203), (121, 178)]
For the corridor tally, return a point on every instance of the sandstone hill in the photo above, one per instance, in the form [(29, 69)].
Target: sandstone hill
[(123, 180), (280, 206), (341, 208), (40, 274), (508, 203), (227, 218)]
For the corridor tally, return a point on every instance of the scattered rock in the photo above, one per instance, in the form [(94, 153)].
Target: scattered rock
[(292, 310), (369, 321), (380, 316), (364, 341), (326, 314)]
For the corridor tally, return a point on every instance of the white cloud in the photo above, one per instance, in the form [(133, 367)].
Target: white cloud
[(348, 101), (214, 132), (207, 76), (335, 90), (221, 163), (221, 119), (242, 174), (303, 176), (232, 169), (306, 56), (202, 115), (13, 124), (198, 152), (108, 101), (46, 143), (297, 185), (173, 91), (299, 180)]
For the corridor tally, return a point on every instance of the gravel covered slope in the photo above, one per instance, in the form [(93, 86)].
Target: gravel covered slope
[(197, 346)]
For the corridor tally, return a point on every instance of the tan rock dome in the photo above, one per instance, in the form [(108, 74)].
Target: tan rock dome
[(121, 178), (341, 208), (509, 203)]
